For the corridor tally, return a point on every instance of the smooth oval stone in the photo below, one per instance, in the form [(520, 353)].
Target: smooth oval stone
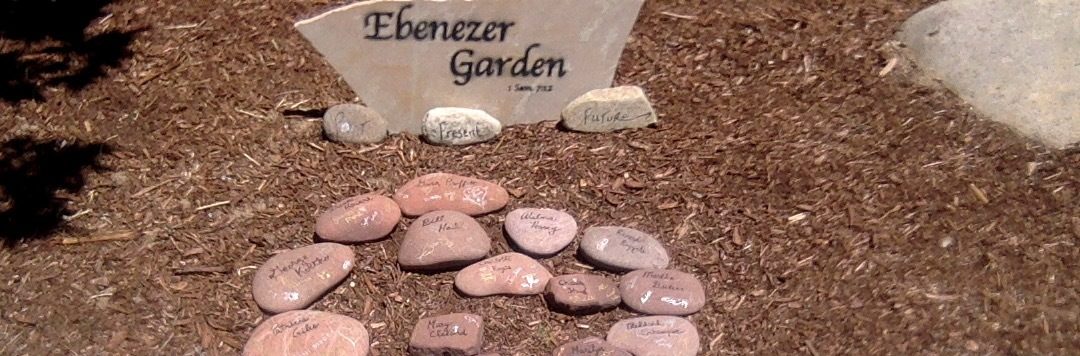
[(622, 249), (296, 278), (509, 273), (450, 334), (655, 335), (582, 293), (360, 218), (443, 240), (444, 191), (308, 332), (592, 346), (662, 292), (352, 123), (540, 232), (459, 126), (609, 109)]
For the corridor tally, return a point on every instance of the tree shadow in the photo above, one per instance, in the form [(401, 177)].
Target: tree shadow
[(33, 176), (45, 44)]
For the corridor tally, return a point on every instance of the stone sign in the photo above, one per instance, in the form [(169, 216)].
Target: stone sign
[(521, 61)]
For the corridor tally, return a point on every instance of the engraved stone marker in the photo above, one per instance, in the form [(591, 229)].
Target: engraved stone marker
[(521, 61), (309, 332), (656, 335), (450, 334), (296, 278)]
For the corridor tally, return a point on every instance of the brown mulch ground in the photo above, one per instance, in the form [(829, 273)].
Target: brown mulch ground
[(923, 230)]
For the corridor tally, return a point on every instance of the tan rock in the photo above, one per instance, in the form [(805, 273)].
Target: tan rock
[(451, 334), (656, 336), (444, 191), (540, 232), (352, 123)]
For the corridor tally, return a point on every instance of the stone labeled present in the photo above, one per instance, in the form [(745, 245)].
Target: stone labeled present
[(582, 293), (358, 219), (451, 334), (459, 126), (443, 240), (296, 278), (308, 332), (540, 232), (662, 292), (606, 110), (592, 346), (622, 249), (655, 335), (509, 273), (444, 191), (352, 123), (1013, 61), (519, 60)]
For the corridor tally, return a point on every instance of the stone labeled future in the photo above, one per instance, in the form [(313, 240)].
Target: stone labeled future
[(444, 191), (662, 292), (622, 249), (656, 335), (459, 126), (443, 240), (540, 232), (451, 334), (606, 110), (296, 278), (308, 332), (360, 218), (582, 293), (509, 273)]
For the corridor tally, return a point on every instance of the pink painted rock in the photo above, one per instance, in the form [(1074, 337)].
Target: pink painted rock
[(592, 346), (296, 278), (308, 332), (622, 249), (443, 240), (540, 232), (358, 219), (451, 334), (509, 273), (662, 292), (444, 191), (582, 293), (655, 335)]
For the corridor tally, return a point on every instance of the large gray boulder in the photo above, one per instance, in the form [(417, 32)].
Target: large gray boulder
[(1016, 61)]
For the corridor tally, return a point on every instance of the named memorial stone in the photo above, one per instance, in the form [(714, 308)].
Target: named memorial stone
[(509, 273), (582, 293), (656, 335), (296, 278), (443, 240), (592, 346), (360, 218), (662, 292), (622, 249), (519, 60), (450, 334), (309, 332)]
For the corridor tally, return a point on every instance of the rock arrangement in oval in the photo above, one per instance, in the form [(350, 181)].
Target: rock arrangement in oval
[(591, 346), (296, 278), (360, 218), (309, 332), (450, 334), (540, 232), (655, 335), (444, 191), (441, 240), (662, 292), (582, 293), (623, 249), (509, 273)]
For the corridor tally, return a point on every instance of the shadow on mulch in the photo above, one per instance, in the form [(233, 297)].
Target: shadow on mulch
[(44, 44), (33, 176)]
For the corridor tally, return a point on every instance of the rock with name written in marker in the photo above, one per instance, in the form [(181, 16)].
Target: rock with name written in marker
[(622, 249), (444, 191), (450, 334), (296, 278), (509, 273), (592, 346), (662, 292), (352, 123), (459, 126), (582, 293), (358, 219), (606, 110), (540, 232), (308, 332), (443, 240), (656, 335)]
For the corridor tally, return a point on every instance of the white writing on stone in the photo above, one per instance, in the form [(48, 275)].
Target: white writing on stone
[(602, 244), (676, 302), (645, 298)]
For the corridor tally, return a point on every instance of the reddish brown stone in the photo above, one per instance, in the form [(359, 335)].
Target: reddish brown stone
[(444, 191), (448, 335), (307, 332), (592, 346), (294, 279), (582, 293), (509, 273), (358, 219), (662, 292), (443, 240), (540, 232), (656, 335), (622, 249)]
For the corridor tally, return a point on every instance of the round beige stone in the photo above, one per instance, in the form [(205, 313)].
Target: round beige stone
[(592, 346), (308, 332)]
